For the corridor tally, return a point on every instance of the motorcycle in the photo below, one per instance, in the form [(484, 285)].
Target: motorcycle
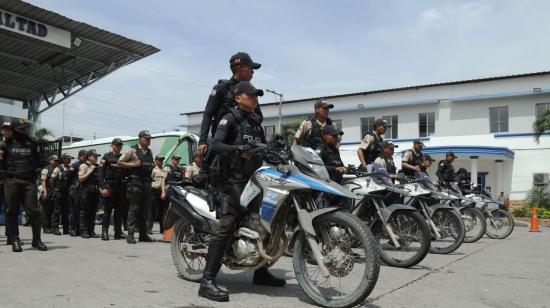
[(500, 223), (402, 234), (327, 268), (445, 221)]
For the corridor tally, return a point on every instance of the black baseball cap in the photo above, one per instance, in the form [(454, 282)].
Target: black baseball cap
[(389, 144), (322, 104), (144, 133), (243, 58), (176, 156), (380, 122), (92, 152), (248, 88), (428, 157), (66, 156), (53, 157), (330, 130), (82, 153), (450, 153), (159, 157), (418, 141), (117, 141)]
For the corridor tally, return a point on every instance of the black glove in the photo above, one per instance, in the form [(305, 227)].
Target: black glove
[(244, 148)]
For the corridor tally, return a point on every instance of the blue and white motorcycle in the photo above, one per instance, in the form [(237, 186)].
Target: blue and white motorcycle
[(329, 270)]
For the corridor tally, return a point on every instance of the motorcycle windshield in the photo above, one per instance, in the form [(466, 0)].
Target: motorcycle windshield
[(382, 174), (426, 181)]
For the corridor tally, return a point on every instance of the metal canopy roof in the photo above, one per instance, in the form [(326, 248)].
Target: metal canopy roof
[(42, 74)]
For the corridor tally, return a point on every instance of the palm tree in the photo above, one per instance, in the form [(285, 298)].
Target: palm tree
[(288, 130), (542, 125), (537, 197), (41, 133)]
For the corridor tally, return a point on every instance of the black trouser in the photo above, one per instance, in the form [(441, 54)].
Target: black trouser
[(88, 207), (61, 208), (21, 192), (154, 209), (74, 204), (139, 194), (114, 203), (47, 210)]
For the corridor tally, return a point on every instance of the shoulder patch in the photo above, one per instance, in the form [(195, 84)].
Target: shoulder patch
[(442, 164), (223, 123), (213, 93)]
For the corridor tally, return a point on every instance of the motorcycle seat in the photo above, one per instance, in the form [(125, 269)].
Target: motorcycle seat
[(200, 192)]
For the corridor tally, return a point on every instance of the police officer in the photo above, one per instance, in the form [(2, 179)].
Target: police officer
[(371, 147), (235, 132), (386, 158), (330, 154), (112, 190), (157, 192), (193, 169), (48, 196), (445, 170), (6, 134), (427, 161), (412, 159), (20, 156), (309, 134), (139, 162), (60, 184), (221, 98), (74, 193), (89, 194), (463, 179)]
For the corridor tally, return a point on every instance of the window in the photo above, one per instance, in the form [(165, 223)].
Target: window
[(338, 124), (498, 119), (426, 124), (366, 126), (541, 109), (269, 131), (391, 132)]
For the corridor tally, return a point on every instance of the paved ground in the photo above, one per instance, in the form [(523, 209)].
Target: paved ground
[(91, 273)]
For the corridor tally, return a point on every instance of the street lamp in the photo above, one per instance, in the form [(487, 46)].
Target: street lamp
[(280, 107)]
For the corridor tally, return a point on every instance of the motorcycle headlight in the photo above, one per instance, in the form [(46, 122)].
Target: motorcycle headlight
[(320, 170)]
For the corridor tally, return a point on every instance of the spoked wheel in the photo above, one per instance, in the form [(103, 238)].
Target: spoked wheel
[(190, 264), (413, 236), (500, 224), (289, 233), (353, 272), (451, 229), (474, 224)]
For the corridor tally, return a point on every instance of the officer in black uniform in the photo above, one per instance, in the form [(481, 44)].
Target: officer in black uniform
[(111, 190), (371, 147), (445, 170), (235, 131), (463, 179), (412, 159), (309, 134), (89, 194), (60, 183), (74, 193), (221, 98), (427, 161), (20, 156), (139, 162), (6, 134), (330, 154)]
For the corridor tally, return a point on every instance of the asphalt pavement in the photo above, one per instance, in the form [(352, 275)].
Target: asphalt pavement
[(77, 272)]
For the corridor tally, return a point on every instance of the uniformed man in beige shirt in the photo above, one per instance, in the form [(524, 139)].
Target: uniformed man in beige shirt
[(47, 194), (193, 169), (371, 147), (309, 134)]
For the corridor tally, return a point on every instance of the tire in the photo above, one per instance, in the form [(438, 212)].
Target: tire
[(501, 216), (452, 231), (184, 233), (347, 226), (475, 217)]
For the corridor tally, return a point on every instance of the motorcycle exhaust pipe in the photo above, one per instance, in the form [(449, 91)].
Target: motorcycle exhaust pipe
[(270, 260)]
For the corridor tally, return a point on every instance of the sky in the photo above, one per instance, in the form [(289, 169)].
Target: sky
[(307, 49)]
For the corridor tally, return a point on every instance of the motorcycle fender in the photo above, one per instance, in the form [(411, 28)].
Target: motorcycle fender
[(438, 206), (181, 209), (388, 211), (306, 218)]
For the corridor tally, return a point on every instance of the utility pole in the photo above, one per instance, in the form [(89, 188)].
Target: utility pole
[(280, 96)]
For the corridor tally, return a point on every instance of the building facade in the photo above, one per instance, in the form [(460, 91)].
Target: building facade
[(487, 122)]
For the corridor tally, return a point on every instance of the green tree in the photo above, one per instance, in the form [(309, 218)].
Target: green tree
[(537, 197), (41, 134), (288, 130), (542, 125)]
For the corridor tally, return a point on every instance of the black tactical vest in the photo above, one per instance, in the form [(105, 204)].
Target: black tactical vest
[(390, 166), (147, 164), (92, 180), (62, 180), (331, 157), (176, 174), (113, 173), (374, 150), (448, 171), (416, 160), (228, 102), (315, 136), (22, 157)]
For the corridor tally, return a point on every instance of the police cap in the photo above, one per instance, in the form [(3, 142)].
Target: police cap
[(322, 104), (248, 88), (117, 141), (92, 152), (82, 153), (53, 157), (380, 122), (389, 144), (66, 156), (450, 153), (176, 156), (418, 141), (330, 130), (144, 134), (428, 157), (241, 58), (159, 157)]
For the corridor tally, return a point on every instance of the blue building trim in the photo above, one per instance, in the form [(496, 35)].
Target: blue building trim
[(505, 135), (392, 140), (471, 151)]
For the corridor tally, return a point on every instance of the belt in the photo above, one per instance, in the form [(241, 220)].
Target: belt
[(21, 177)]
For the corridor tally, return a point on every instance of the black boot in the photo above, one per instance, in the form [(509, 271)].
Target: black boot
[(208, 288), (16, 245), (56, 231), (73, 233), (263, 277), (36, 238), (84, 234), (104, 235), (119, 235), (143, 237), (130, 239)]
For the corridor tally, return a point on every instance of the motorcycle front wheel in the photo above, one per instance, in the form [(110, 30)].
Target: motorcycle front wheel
[(188, 248), (474, 223), (500, 224), (451, 229), (353, 269)]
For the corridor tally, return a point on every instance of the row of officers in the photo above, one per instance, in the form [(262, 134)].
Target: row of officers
[(130, 186)]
